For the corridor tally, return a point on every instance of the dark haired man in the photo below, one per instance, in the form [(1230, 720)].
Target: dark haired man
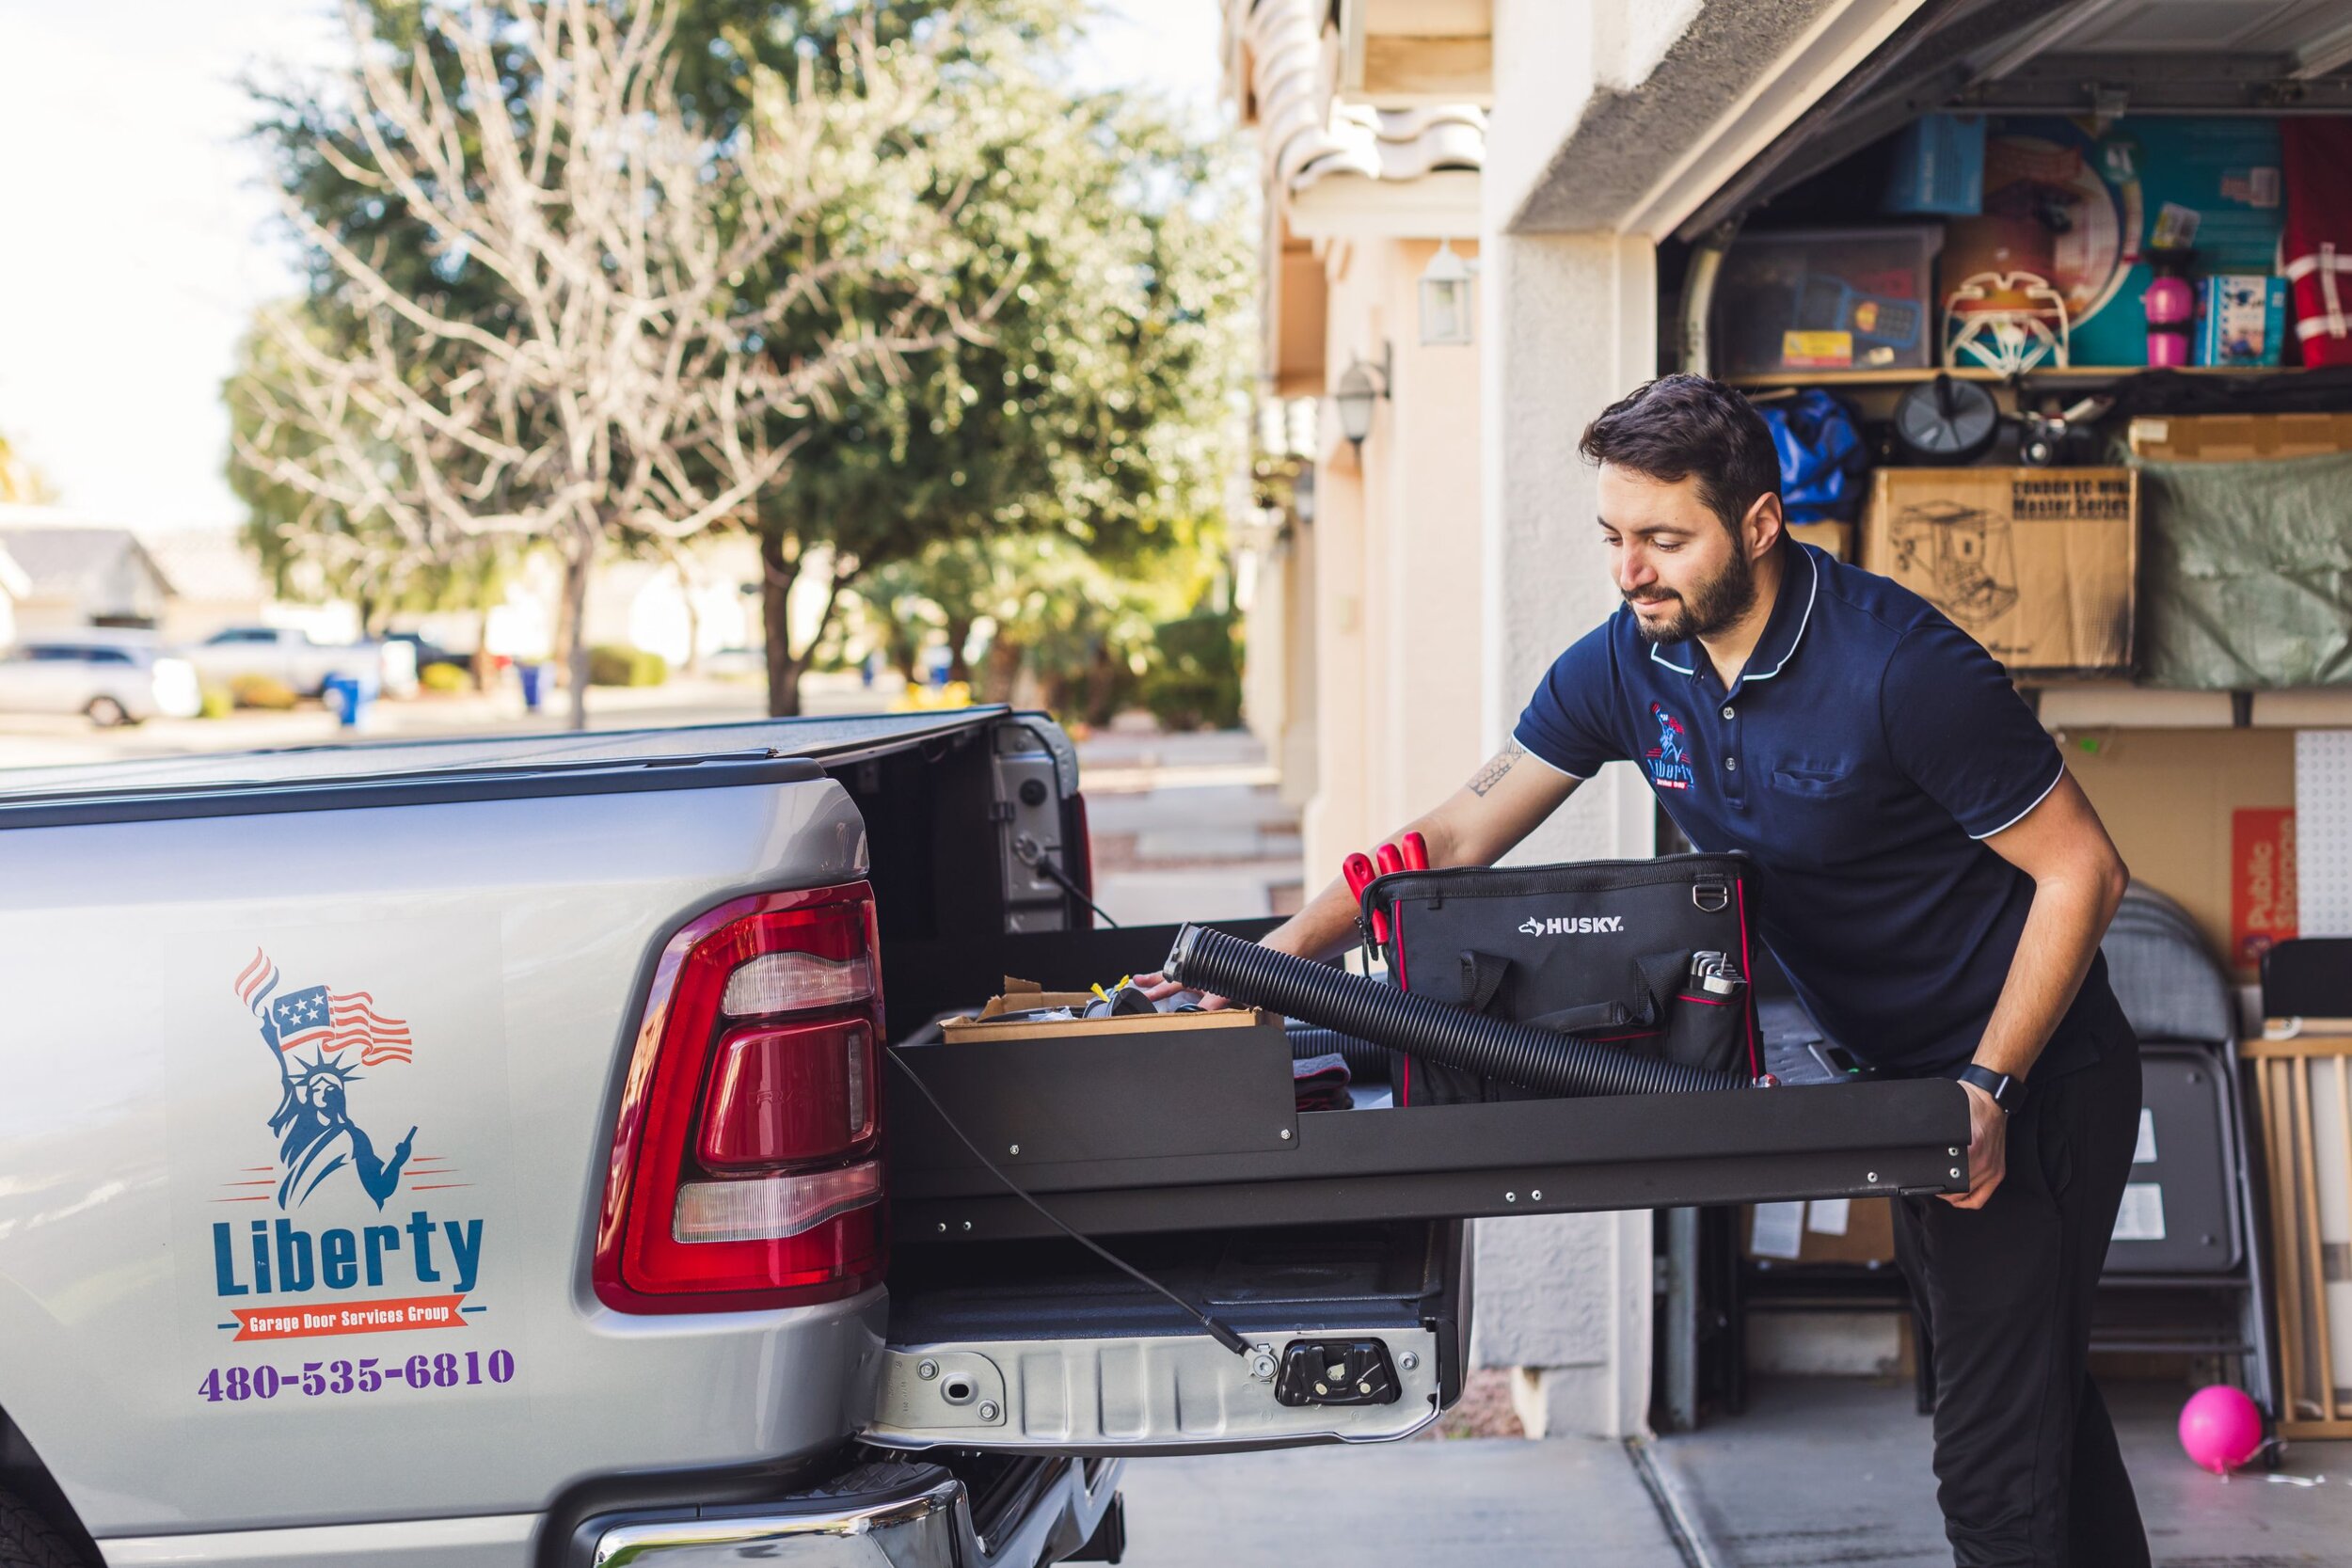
[(1933, 883)]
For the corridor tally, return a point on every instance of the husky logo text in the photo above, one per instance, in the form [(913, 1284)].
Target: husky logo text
[(1572, 925), (316, 1135)]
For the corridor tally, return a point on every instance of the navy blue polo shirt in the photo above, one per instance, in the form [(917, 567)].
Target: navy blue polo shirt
[(1861, 758)]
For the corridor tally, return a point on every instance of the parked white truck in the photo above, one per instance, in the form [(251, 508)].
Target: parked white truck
[(496, 1152), (302, 664)]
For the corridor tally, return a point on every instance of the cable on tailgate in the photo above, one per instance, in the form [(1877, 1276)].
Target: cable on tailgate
[(1217, 1330)]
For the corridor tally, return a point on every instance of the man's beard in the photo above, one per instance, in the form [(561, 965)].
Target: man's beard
[(1710, 607)]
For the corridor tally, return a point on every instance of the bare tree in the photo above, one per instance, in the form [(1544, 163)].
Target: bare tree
[(623, 388)]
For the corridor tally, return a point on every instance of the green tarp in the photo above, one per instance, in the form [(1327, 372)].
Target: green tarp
[(2246, 579)]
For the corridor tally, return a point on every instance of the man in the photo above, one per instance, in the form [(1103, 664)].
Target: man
[(1934, 882)]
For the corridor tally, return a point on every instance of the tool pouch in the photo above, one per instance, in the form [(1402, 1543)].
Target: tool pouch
[(1649, 956)]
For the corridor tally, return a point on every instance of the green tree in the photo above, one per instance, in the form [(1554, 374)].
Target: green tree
[(1110, 253)]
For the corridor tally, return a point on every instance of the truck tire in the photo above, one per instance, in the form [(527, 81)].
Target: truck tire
[(30, 1541), (107, 713)]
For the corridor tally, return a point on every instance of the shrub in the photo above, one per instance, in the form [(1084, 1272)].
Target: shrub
[(618, 664), (263, 691), (215, 702), (444, 679), (1194, 679)]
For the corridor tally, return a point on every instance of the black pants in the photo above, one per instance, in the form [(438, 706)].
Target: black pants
[(2025, 1459)]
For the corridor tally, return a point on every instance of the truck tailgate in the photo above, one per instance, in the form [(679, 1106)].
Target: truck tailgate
[(442, 977)]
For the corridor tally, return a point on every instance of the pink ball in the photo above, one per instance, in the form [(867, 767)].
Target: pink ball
[(2220, 1428)]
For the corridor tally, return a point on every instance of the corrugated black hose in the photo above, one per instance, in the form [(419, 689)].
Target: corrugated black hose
[(1332, 998)]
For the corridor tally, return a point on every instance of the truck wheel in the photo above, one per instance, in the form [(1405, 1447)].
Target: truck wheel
[(30, 1541), (107, 713)]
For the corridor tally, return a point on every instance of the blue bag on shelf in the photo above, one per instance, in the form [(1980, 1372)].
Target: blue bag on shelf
[(1823, 463)]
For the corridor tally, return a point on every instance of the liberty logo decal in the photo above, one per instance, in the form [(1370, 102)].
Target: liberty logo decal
[(316, 1135), (1670, 759), (1573, 926), (318, 1038)]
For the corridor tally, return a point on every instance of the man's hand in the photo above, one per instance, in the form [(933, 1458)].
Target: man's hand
[(1157, 986), (1988, 1151)]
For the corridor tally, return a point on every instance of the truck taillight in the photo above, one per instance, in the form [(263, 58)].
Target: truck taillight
[(746, 1167)]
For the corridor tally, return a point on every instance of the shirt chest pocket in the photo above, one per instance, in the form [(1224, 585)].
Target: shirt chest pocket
[(1816, 780)]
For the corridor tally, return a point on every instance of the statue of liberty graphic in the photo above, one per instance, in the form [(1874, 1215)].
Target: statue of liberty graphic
[(1670, 759), (316, 1133)]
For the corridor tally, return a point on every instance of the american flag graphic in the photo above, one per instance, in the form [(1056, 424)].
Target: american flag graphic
[(331, 1020)]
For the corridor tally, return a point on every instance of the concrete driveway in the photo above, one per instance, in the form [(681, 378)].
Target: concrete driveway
[(1819, 1471), (1489, 1501)]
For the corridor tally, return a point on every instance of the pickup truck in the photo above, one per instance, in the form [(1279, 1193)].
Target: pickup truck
[(540, 1152), (303, 665)]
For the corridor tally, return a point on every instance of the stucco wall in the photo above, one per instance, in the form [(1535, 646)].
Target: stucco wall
[(1398, 590), (1569, 323)]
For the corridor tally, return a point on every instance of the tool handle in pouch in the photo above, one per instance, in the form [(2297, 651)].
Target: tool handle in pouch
[(1707, 1019)]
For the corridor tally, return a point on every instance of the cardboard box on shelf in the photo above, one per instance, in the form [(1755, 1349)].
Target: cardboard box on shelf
[(1826, 1230), (1837, 538), (2239, 437), (2037, 564), (2206, 816)]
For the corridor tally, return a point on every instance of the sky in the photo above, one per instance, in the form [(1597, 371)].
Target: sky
[(136, 236)]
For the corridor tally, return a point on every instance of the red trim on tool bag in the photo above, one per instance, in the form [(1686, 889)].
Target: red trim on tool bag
[(1747, 967), (1702, 1000)]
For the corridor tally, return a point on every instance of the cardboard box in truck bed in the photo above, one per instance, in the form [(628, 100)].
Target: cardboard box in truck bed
[(1027, 996)]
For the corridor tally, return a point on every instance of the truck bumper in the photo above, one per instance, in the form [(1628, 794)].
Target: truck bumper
[(884, 1515)]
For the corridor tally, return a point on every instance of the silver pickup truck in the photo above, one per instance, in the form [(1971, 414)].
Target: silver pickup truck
[(505, 1152)]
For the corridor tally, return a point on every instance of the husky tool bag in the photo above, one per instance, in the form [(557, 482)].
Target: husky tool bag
[(1651, 956)]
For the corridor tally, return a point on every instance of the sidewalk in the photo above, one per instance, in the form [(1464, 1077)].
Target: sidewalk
[(1188, 827)]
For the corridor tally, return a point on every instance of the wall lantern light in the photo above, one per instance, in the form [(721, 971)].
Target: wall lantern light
[(1445, 298), (1360, 386)]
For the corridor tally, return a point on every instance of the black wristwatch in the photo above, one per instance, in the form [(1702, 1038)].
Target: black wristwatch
[(2006, 1092)]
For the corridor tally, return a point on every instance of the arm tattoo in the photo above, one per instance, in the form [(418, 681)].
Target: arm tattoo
[(1492, 773)]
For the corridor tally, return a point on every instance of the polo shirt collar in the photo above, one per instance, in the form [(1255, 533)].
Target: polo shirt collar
[(1792, 612)]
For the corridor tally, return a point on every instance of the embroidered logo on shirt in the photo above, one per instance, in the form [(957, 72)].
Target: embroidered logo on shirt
[(1670, 759)]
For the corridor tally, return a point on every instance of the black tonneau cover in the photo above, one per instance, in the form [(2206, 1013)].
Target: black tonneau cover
[(830, 741), (472, 768)]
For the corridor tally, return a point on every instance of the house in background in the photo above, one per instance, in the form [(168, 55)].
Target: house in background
[(80, 573), (217, 581), (1367, 579)]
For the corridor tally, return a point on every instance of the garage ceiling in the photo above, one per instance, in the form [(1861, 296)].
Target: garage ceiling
[(2219, 26), (2105, 57)]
